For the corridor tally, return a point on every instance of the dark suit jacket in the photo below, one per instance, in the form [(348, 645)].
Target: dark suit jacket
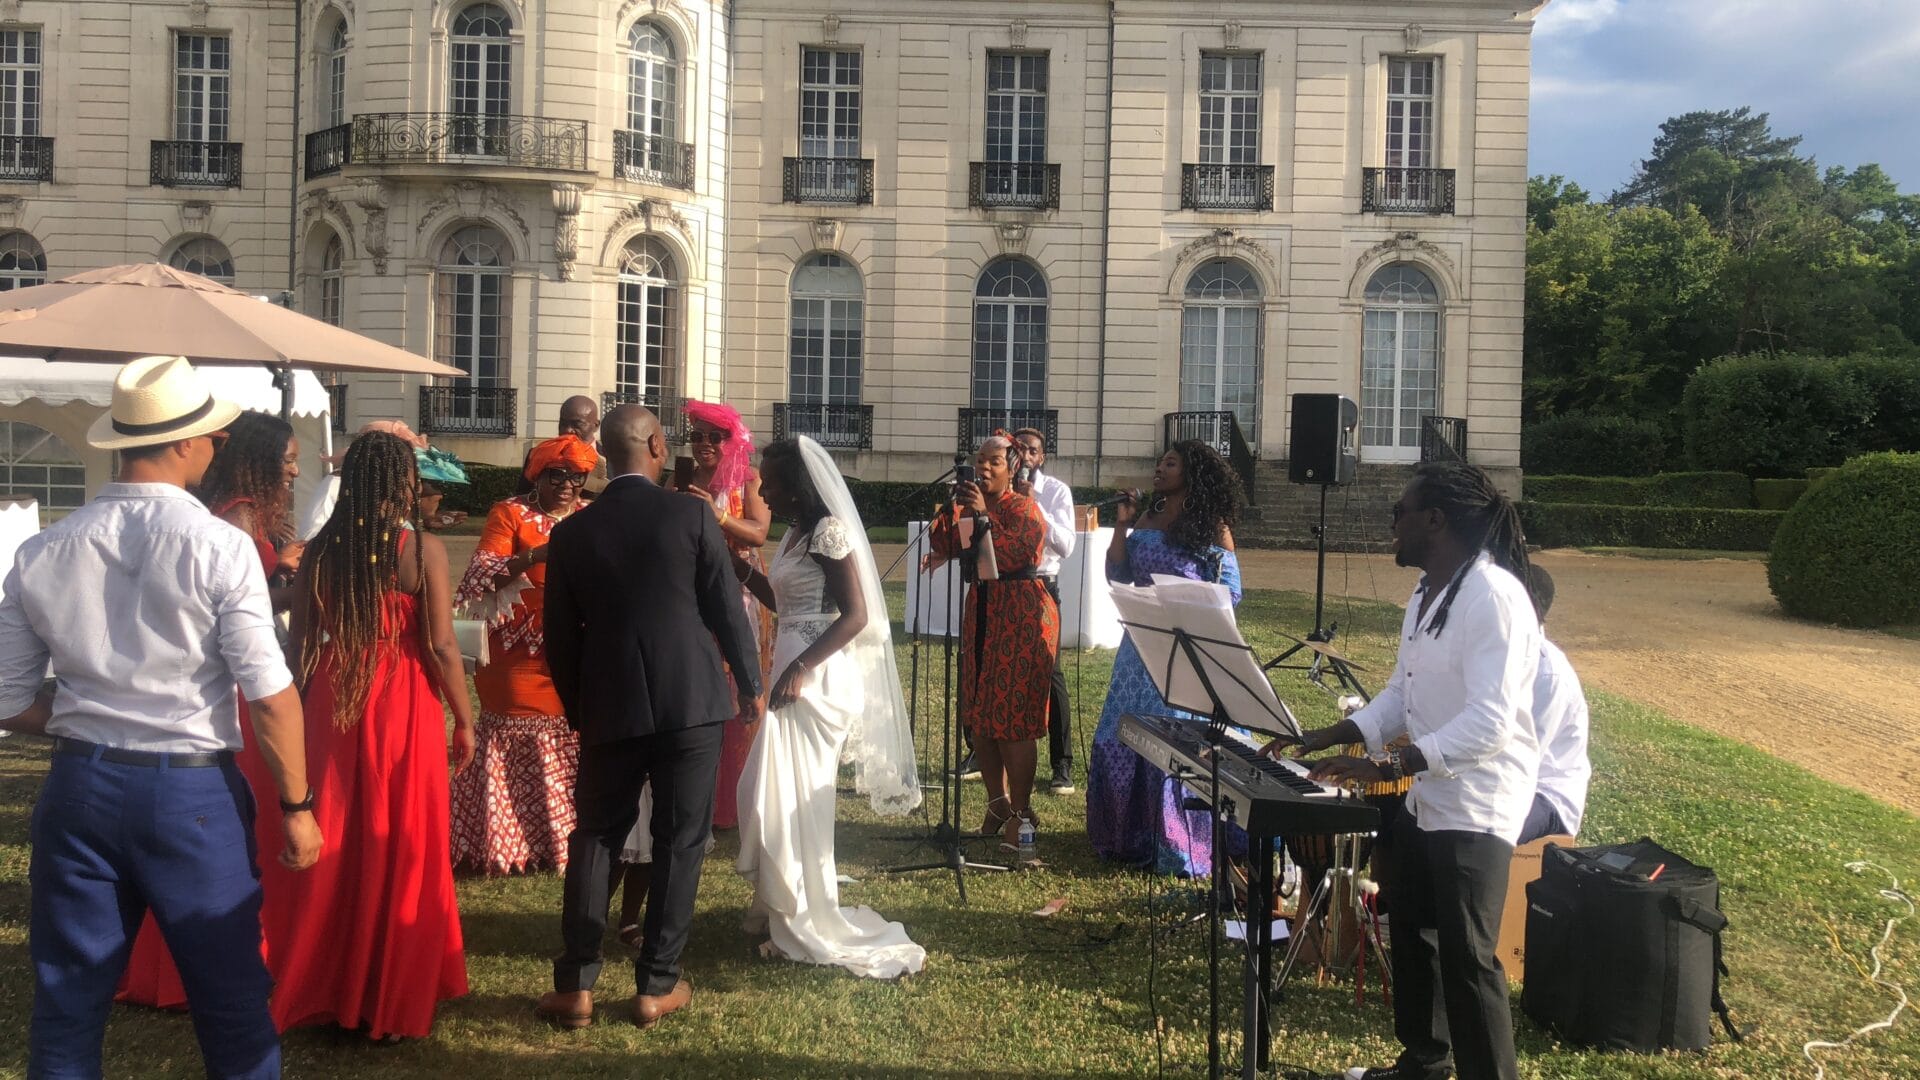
[(639, 588)]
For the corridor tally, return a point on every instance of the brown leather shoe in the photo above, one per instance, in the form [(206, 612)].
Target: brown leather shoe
[(570, 1010), (648, 1009)]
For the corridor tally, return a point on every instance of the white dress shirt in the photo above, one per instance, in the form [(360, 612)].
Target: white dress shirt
[(1560, 724), (151, 610), (1466, 700), (1056, 505)]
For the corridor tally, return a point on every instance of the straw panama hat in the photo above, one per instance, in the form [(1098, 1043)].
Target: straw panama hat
[(156, 400)]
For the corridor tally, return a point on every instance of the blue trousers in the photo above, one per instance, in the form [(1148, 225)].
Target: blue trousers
[(111, 842)]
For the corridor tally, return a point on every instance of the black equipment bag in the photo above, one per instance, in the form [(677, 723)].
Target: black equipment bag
[(1623, 948)]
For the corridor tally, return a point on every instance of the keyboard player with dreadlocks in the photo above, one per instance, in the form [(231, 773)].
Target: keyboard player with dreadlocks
[(1462, 690)]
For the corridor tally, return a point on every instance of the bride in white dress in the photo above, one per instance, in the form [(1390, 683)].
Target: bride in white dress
[(836, 696)]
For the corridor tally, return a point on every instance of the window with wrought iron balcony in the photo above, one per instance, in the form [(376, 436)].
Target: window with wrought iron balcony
[(1228, 176), (829, 168), (1409, 183), (26, 157), (652, 159), (199, 155)]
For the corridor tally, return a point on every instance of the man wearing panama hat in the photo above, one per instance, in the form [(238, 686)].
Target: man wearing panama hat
[(151, 612)]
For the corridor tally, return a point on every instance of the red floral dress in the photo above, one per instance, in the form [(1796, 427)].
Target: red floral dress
[(1009, 628)]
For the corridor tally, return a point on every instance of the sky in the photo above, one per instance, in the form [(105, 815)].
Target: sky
[(1843, 74)]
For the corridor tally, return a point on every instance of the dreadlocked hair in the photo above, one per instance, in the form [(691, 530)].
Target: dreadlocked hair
[(352, 565), (1213, 497), (1476, 512), (249, 468)]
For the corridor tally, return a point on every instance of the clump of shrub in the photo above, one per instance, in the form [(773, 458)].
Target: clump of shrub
[(1771, 415), (1580, 444), (1722, 490), (486, 485), (1846, 552), (1698, 528)]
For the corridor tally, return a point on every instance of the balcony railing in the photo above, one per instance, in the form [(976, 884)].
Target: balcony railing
[(1443, 438), (484, 411), (1021, 185), (26, 158), (827, 180), (1218, 429), (665, 405), (651, 159), (1398, 190), (328, 150), (1226, 187), (337, 406), (836, 427), (978, 423), (180, 164), (532, 142)]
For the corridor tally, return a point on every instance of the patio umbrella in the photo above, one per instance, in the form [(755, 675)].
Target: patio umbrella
[(118, 313)]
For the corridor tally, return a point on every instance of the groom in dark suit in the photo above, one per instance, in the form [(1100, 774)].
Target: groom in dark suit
[(639, 589)]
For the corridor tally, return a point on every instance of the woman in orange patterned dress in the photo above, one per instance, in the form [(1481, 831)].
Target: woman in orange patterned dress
[(1006, 651), (513, 809)]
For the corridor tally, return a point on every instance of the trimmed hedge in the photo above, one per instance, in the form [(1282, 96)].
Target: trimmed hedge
[(1779, 494), (1772, 415), (1584, 445), (1846, 552), (488, 484), (1590, 525), (1722, 490), (1892, 387)]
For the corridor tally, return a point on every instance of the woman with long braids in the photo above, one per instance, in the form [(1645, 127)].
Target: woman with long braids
[(1135, 813), (1462, 693), (513, 810), (369, 939)]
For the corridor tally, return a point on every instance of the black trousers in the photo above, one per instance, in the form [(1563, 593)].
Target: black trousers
[(684, 767), (1542, 820), (1059, 709), (1445, 893)]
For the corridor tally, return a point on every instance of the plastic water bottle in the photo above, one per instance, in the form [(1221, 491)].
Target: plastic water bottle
[(1027, 849)]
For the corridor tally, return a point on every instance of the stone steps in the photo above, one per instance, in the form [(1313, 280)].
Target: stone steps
[(1283, 513)]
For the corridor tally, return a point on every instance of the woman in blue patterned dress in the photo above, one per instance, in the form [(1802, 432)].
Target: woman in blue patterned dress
[(1134, 812)]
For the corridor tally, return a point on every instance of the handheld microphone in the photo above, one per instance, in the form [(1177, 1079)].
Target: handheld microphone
[(1114, 500)]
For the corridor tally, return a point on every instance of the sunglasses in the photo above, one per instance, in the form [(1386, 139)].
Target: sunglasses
[(219, 439), (562, 476), (710, 438)]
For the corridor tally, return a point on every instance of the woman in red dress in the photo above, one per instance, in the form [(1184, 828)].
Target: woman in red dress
[(369, 938), (1006, 651)]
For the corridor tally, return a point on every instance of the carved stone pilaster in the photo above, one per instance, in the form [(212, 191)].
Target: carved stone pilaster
[(566, 228), (10, 208), (373, 196), (1413, 34), (830, 29), (9, 10), (1013, 237), (827, 233), (1232, 34), (193, 214), (197, 13), (1017, 34)]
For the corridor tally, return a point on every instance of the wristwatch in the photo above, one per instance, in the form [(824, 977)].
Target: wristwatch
[(1390, 768), (303, 806)]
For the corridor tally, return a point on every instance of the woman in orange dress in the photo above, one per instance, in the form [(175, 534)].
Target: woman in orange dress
[(513, 810), (1007, 637)]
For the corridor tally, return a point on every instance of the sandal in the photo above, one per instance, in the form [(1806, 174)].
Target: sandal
[(995, 822), (630, 936)]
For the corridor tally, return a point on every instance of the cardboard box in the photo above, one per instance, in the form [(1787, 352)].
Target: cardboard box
[(1086, 518), (1513, 919)]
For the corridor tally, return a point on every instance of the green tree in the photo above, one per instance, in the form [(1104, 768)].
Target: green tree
[(1545, 194), (1718, 162)]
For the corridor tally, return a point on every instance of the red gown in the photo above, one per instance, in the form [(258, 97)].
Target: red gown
[(369, 937)]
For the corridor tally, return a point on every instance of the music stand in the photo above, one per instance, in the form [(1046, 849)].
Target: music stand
[(1191, 647)]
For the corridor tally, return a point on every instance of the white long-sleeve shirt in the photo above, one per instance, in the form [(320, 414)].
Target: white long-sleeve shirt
[(1056, 505), (1465, 698), (1560, 724)]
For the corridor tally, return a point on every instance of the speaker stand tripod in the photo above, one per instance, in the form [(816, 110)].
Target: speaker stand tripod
[(1319, 640)]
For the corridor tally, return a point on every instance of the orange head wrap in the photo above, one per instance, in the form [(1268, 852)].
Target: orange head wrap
[(567, 450)]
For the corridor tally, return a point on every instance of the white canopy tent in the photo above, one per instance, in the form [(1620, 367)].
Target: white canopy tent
[(64, 398)]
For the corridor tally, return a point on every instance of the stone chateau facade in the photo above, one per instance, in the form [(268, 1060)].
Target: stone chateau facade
[(893, 224)]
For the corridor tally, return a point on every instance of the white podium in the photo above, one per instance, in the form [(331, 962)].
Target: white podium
[(933, 600)]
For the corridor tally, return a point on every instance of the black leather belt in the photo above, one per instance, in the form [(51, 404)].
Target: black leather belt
[(203, 759)]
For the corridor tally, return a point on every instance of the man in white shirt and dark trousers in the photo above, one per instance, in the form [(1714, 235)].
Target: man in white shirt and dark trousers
[(1462, 690), (1056, 504), (1560, 724), (151, 612)]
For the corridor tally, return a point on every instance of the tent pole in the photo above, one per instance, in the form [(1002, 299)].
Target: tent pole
[(286, 392)]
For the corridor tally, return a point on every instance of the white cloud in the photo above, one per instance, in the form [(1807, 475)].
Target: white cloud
[(1575, 17)]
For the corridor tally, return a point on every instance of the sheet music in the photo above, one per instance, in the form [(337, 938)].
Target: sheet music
[(1204, 610)]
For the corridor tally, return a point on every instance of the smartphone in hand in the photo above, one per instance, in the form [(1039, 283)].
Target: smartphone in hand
[(682, 473)]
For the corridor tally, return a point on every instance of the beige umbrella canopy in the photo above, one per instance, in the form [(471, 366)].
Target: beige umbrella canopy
[(118, 313)]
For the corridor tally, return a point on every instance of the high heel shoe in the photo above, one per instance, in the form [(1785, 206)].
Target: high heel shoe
[(996, 822)]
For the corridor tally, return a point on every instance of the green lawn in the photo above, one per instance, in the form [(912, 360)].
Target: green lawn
[(1009, 994)]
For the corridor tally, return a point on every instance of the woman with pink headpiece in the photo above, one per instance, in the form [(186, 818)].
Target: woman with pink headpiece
[(721, 445)]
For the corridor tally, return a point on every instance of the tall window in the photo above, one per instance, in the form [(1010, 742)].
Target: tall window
[(829, 103), (35, 463), (1010, 337), (825, 347), (653, 83), (1410, 117), (22, 262), (19, 82), (1220, 343), (330, 281), (480, 79), (202, 87), (204, 256), (470, 306), (646, 337), (1229, 109), (1400, 362), (333, 82)]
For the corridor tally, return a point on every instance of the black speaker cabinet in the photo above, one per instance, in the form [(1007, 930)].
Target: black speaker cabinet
[(1326, 439)]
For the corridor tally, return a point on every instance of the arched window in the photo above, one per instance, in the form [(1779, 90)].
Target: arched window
[(333, 75), (22, 262), (646, 337), (825, 346), (1010, 341), (470, 310), (36, 464), (329, 278), (1400, 362), (1220, 345), (480, 80), (205, 256)]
